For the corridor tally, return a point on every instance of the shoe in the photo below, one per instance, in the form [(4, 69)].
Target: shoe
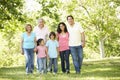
[(48, 70), (54, 73), (31, 71), (77, 72), (67, 71), (28, 73), (64, 72), (42, 72)]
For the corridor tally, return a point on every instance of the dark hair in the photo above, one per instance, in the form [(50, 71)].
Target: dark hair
[(52, 33), (27, 26), (59, 30), (70, 16), (39, 41)]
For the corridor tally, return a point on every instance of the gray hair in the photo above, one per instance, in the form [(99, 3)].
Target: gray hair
[(41, 19)]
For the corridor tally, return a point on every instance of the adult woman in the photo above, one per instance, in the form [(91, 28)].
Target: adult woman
[(63, 37), (27, 44)]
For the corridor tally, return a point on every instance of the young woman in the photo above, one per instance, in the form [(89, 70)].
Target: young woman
[(63, 38), (27, 45)]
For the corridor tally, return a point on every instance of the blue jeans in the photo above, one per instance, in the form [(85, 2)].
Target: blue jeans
[(64, 56), (29, 56), (53, 62), (42, 65), (77, 56)]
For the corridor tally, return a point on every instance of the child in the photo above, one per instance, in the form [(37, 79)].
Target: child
[(52, 48), (41, 56), (63, 39)]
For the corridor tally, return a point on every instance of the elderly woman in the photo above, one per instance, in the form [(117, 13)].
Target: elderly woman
[(28, 44)]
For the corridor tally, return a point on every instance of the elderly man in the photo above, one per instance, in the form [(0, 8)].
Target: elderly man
[(41, 31)]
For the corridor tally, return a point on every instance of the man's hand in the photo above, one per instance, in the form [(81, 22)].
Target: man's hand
[(83, 44)]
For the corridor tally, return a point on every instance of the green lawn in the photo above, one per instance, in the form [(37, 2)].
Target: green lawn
[(106, 69)]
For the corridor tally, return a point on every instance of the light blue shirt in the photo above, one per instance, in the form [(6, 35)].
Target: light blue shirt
[(52, 48), (28, 41)]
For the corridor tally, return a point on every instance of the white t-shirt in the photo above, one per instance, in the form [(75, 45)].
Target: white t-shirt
[(41, 33), (75, 34)]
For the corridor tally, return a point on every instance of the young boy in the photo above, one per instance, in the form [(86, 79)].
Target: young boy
[(52, 48)]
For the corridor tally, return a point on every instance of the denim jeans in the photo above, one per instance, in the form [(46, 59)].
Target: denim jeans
[(77, 56), (42, 65), (53, 62), (29, 56), (64, 56)]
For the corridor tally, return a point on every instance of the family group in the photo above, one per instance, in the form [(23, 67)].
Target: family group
[(69, 38)]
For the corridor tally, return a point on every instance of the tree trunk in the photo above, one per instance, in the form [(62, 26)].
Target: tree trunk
[(101, 47)]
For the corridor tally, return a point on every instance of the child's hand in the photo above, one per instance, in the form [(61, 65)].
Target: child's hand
[(48, 58), (35, 50)]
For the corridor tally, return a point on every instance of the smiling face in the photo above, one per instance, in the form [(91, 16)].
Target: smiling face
[(42, 43), (70, 20), (41, 22), (52, 37), (62, 27), (28, 28)]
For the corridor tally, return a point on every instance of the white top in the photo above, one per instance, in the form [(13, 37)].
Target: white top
[(41, 33), (75, 34)]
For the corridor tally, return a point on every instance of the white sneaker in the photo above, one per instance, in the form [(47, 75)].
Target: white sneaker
[(48, 69), (54, 73), (42, 72)]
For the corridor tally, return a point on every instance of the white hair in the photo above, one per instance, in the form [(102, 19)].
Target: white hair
[(40, 20)]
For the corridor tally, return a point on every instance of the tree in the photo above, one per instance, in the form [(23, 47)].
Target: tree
[(97, 18), (11, 20), (100, 17)]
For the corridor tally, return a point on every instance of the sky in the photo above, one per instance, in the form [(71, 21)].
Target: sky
[(32, 5)]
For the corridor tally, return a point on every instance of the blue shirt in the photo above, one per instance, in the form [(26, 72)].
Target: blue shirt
[(28, 41), (52, 46)]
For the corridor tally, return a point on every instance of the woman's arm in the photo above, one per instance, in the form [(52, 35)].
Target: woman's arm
[(35, 41), (21, 46), (57, 51)]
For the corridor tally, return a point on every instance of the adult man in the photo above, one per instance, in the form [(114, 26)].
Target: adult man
[(41, 31), (76, 42)]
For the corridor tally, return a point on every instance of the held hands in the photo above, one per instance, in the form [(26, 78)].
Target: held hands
[(48, 57), (35, 50)]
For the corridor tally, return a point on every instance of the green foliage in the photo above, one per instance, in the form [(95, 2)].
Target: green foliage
[(100, 23), (50, 11), (11, 24), (97, 17), (10, 9)]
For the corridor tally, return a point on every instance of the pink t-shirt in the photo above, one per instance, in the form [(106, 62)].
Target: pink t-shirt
[(41, 51), (63, 42)]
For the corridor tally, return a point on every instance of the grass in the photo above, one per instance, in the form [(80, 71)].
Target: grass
[(106, 69)]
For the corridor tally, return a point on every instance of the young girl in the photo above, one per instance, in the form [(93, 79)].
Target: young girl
[(52, 48), (63, 38), (41, 56)]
